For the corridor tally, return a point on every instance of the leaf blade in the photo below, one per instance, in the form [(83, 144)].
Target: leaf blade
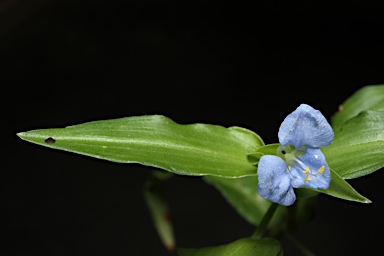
[(358, 147), (192, 149), (242, 195), (342, 189), (154, 196), (367, 98), (241, 247)]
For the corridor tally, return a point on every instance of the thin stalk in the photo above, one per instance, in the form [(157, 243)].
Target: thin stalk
[(265, 221)]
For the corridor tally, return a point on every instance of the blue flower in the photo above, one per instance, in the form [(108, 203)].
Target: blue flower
[(299, 162)]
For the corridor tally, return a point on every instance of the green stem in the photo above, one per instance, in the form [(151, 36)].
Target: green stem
[(265, 221), (299, 245)]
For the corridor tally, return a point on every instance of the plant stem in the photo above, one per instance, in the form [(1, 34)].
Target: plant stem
[(299, 245), (265, 221)]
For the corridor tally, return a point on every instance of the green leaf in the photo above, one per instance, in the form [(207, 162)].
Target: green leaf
[(241, 247), (158, 207), (358, 147), (194, 149), (341, 189), (367, 98), (242, 195)]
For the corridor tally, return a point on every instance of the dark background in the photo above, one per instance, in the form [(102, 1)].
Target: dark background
[(69, 62)]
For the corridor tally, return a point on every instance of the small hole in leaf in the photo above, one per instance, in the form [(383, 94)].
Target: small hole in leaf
[(283, 151), (50, 140)]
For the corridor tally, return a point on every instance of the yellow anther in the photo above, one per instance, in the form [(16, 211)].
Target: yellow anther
[(307, 178), (321, 170), (306, 171)]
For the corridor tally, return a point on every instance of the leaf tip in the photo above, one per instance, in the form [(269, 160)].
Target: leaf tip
[(21, 135), (363, 200), (170, 246)]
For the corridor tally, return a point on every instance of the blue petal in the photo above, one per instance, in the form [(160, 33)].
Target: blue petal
[(274, 182), (317, 175), (305, 126)]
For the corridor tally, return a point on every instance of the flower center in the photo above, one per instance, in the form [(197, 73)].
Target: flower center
[(291, 155)]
